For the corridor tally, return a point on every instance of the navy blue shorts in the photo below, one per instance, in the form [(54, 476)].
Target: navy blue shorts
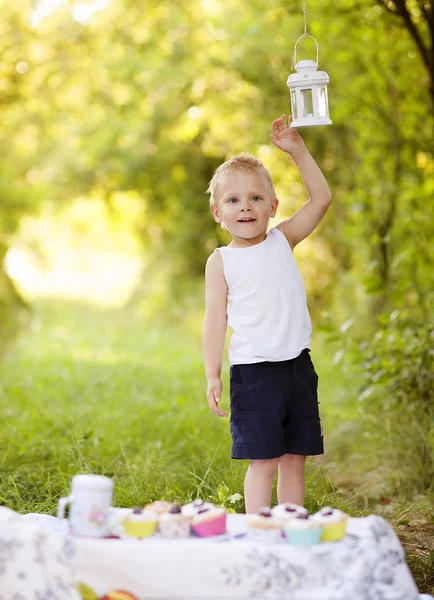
[(274, 409)]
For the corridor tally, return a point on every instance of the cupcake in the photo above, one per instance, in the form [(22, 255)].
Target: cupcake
[(263, 527), (284, 512), (303, 530), (192, 508), (209, 521), (334, 523), (174, 524), (140, 523), (159, 507)]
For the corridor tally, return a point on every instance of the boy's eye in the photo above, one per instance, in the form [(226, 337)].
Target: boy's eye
[(256, 198), (233, 200)]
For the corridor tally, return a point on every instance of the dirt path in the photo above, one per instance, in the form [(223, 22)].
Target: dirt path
[(418, 542)]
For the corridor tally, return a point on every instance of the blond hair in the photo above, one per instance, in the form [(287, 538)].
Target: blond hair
[(245, 163)]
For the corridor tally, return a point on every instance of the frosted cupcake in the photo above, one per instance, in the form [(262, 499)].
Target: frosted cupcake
[(192, 508), (287, 511), (174, 524), (159, 507), (140, 523), (209, 521), (302, 530), (263, 527), (334, 523)]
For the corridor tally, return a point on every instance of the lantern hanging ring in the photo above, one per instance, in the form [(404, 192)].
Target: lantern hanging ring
[(305, 35)]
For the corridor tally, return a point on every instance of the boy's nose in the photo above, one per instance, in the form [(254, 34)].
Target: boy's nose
[(246, 207)]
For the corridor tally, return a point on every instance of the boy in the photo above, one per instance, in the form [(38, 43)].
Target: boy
[(254, 286)]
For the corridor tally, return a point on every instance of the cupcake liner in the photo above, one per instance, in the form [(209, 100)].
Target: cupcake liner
[(174, 529), (216, 526), (334, 531), (265, 535), (306, 537), (139, 529)]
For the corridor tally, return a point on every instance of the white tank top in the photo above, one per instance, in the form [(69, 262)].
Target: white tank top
[(267, 307)]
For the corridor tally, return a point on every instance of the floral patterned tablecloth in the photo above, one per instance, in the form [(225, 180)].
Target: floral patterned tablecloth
[(368, 564)]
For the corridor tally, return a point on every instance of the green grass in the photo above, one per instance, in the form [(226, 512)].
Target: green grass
[(86, 390)]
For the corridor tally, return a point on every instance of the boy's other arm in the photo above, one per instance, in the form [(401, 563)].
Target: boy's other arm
[(214, 329), (305, 220)]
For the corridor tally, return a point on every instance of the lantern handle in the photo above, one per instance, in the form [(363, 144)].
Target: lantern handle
[(294, 60)]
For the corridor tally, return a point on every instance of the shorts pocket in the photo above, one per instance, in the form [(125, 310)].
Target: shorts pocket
[(243, 375)]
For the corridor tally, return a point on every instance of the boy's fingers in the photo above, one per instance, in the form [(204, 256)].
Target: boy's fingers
[(216, 410), (212, 401)]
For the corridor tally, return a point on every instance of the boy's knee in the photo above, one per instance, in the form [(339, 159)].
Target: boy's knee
[(265, 466), (292, 460)]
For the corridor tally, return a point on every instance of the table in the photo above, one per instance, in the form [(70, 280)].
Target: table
[(368, 564)]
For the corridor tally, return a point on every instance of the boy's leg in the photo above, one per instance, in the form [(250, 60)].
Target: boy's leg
[(258, 483), (290, 484)]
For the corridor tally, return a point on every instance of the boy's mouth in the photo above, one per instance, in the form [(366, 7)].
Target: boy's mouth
[(246, 220)]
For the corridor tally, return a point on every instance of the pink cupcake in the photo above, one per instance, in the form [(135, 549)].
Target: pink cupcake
[(209, 521), (192, 508)]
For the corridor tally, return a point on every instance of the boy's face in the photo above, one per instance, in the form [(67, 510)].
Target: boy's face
[(244, 204)]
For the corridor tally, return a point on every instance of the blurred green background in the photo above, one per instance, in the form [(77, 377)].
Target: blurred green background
[(114, 115)]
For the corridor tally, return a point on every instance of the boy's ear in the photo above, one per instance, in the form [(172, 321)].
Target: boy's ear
[(274, 205), (215, 213)]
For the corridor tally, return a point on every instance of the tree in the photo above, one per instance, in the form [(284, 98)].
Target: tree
[(152, 101), (418, 19)]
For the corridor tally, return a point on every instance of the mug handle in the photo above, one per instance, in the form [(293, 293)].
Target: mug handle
[(61, 506)]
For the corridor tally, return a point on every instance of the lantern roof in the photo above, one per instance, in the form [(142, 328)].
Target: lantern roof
[(307, 75)]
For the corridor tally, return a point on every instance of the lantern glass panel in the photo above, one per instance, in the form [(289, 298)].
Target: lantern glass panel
[(294, 104), (307, 102), (322, 102)]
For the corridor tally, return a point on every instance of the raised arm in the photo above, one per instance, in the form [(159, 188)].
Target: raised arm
[(214, 329), (304, 221)]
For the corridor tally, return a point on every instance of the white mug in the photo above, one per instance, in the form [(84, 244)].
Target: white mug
[(90, 500)]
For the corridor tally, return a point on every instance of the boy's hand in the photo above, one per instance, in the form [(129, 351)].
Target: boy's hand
[(284, 137), (214, 395)]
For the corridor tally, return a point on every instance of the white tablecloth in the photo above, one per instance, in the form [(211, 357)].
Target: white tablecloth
[(368, 564), (35, 563)]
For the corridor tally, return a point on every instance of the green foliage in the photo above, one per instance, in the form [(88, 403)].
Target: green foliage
[(105, 107), (398, 390), (146, 104), (398, 366), (223, 497)]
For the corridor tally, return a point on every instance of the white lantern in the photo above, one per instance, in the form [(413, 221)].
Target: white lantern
[(308, 89)]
